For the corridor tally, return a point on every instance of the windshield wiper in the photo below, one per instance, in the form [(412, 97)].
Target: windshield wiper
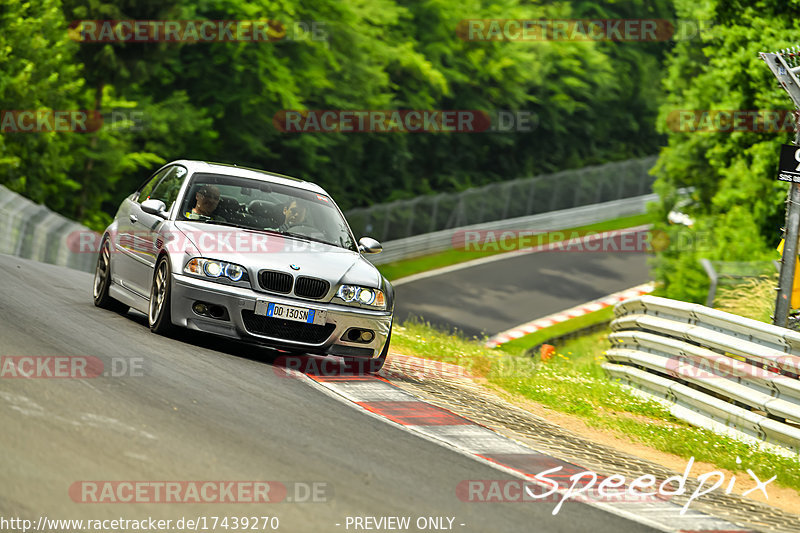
[(233, 225), (265, 230)]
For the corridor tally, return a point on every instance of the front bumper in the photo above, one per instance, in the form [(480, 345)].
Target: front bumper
[(240, 321)]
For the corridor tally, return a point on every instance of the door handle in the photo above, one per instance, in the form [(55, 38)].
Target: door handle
[(134, 218)]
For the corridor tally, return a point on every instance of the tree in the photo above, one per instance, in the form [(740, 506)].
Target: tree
[(738, 204)]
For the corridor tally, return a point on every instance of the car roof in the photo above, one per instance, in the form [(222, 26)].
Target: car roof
[(244, 172)]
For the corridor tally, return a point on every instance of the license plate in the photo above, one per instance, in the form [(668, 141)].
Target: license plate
[(290, 312)]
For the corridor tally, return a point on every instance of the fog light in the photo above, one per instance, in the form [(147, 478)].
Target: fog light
[(359, 335), (200, 308)]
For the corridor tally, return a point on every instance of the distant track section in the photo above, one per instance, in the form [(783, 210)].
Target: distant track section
[(493, 296)]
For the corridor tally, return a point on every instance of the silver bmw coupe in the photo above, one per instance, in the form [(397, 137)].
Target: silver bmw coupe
[(246, 254)]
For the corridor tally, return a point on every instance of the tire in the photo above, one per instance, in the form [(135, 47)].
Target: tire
[(158, 315), (102, 281), (375, 365)]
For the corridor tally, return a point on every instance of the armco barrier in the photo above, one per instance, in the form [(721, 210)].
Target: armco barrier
[(714, 369), (545, 193), (33, 231), (439, 241)]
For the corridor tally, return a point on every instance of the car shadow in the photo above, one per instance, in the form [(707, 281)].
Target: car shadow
[(314, 366)]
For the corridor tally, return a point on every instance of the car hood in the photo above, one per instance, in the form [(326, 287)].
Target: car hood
[(260, 250)]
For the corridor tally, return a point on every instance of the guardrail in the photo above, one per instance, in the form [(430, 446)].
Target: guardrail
[(505, 199), (35, 232), (439, 241), (714, 369)]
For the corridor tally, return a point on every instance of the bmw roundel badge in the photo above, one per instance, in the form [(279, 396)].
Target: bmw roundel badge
[(294, 267)]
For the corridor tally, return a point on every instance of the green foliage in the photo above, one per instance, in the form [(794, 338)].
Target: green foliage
[(37, 73), (738, 205), (592, 102), (573, 381)]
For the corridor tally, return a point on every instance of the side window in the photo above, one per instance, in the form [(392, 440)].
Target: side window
[(146, 190), (169, 186)]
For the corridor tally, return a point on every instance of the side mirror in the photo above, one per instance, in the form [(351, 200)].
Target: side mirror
[(368, 245), (155, 207)]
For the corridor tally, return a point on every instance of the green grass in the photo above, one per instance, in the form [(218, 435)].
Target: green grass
[(562, 328), (573, 382), (407, 267)]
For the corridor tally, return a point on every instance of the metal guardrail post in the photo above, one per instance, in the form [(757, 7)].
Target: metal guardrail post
[(712, 275), (715, 369), (789, 257), (787, 76)]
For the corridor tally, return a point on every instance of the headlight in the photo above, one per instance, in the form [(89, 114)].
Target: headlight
[(362, 295), (234, 272), (212, 269), (215, 269)]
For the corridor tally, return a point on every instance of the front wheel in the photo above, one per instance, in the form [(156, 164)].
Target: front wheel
[(158, 316), (102, 280), (375, 365)]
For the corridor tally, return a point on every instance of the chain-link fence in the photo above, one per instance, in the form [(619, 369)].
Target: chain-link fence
[(732, 273), (500, 201), (33, 231)]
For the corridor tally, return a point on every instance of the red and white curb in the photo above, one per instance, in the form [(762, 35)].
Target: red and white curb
[(580, 310), (379, 398)]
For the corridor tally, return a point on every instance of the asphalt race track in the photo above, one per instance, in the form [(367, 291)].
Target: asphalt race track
[(493, 297), (206, 409)]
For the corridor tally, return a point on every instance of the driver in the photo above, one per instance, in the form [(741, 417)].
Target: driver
[(294, 215), (207, 200)]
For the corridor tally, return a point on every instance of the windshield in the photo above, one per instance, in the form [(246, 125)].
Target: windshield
[(261, 206)]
